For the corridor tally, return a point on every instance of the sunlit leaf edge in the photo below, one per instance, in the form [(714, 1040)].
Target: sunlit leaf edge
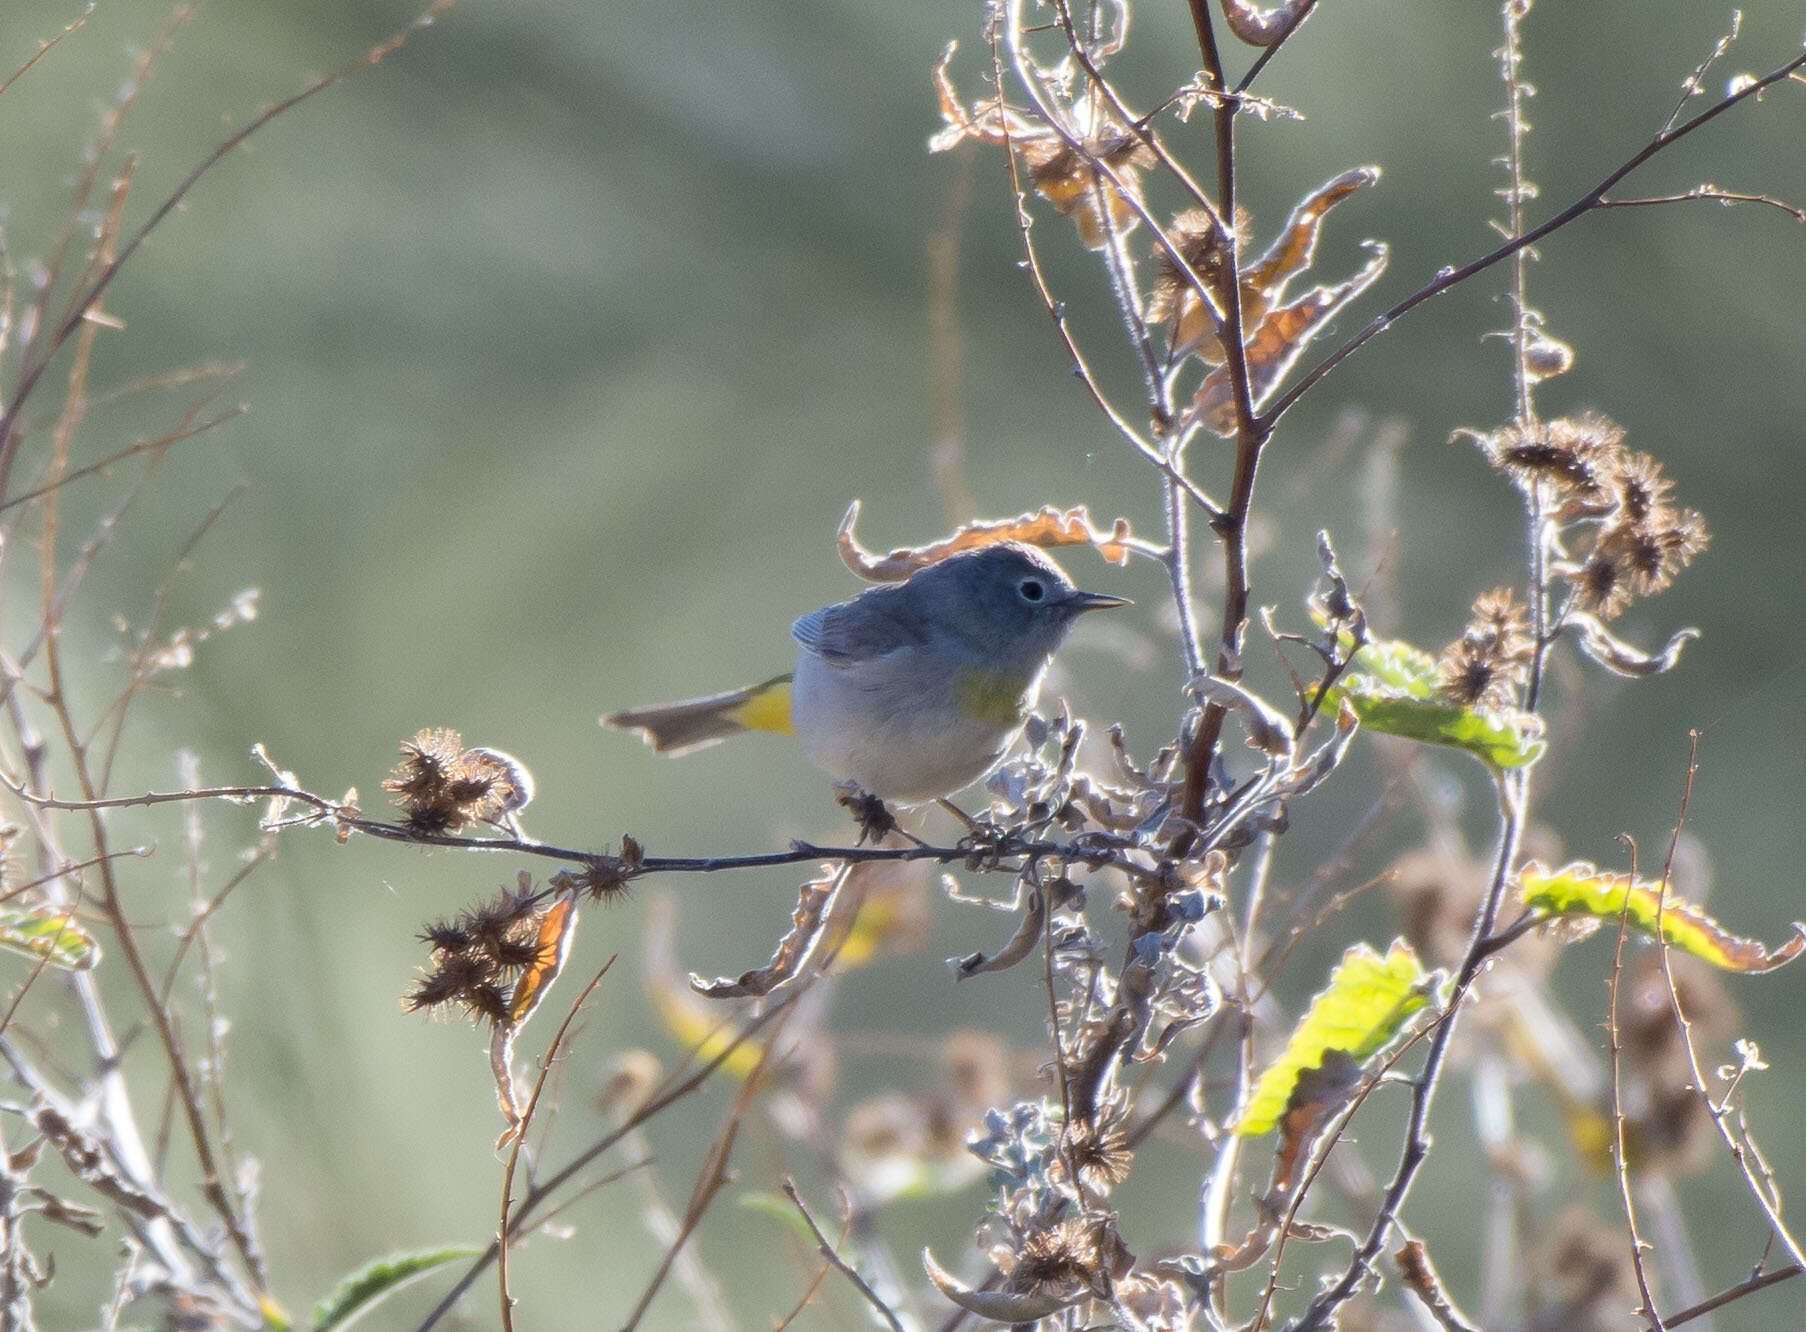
[(1367, 1002)]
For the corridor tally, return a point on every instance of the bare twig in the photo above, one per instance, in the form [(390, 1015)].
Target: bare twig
[(1451, 277), (1748, 1286), (1719, 1110), (1711, 193), (829, 1252), (504, 1229), (1620, 1166)]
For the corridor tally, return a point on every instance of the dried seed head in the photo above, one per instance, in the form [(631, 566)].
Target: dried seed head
[(1642, 489), (1056, 1258), (1205, 247), (602, 877), (1577, 456), (1100, 1154), (1601, 584), (478, 955), (1073, 181), (1487, 664), (1637, 559), (440, 786)]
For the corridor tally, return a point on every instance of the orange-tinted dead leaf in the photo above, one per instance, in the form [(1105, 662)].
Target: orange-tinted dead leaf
[(1049, 527), (1275, 344), (557, 927), (1296, 246), (1196, 326), (1075, 177)]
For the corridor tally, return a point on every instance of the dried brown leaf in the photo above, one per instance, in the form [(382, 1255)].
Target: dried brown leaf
[(813, 905), (1047, 527), (1275, 344), (1021, 943)]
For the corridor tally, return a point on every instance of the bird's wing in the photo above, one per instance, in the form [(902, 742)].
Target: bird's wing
[(870, 625)]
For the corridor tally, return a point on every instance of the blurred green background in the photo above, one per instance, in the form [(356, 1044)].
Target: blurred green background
[(570, 332)]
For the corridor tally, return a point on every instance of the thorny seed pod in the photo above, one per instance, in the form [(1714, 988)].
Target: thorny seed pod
[(1636, 559), (1576, 456), (1074, 180), (1491, 659), (478, 955), (1099, 1152), (441, 786)]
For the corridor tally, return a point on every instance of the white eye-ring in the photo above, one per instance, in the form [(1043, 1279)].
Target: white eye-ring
[(1032, 589)]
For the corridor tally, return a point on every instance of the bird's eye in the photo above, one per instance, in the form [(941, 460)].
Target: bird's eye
[(1031, 589)]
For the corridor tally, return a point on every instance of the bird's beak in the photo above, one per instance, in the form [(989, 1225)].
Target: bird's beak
[(1090, 601)]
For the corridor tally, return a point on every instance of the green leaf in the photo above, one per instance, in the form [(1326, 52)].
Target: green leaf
[(779, 1208), (361, 1291), (1391, 687), (1366, 1005), (50, 935), (1585, 890)]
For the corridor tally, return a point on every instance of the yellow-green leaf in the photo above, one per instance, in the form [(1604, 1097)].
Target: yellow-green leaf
[(363, 1289), (46, 934), (1391, 687), (1581, 889), (1368, 1001)]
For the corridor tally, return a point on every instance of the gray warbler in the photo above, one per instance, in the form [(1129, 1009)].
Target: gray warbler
[(909, 690)]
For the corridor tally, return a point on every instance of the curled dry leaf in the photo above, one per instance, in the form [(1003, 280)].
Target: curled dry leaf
[(1196, 324), (557, 927), (1619, 657), (997, 1305), (1268, 731), (88, 1161), (1313, 770), (1047, 527), (1092, 177), (1273, 347), (813, 904), (1263, 27), (1021, 943)]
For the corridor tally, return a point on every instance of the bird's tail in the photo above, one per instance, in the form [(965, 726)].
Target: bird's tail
[(677, 728)]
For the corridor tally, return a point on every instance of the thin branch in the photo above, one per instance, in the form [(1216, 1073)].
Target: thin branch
[(1586, 203), (1096, 851), (1709, 192), (1748, 1286), (713, 1177), (1718, 1110), (1260, 61), (1620, 1166), (520, 1137), (537, 1196), (44, 48), (829, 1252), (1321, 1314), (1423, 1281), (188, 428), (89, 297)]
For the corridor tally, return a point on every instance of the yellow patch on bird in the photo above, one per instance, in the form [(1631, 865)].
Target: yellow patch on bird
[(767, 709), (997, 698)]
